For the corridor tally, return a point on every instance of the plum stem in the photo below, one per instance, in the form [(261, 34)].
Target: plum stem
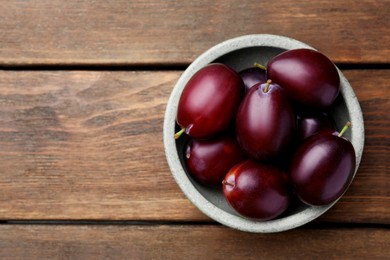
[(178, 134), (266, 88), (346, 126), (258, 65)]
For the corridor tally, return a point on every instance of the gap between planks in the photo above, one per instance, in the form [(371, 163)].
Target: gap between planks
[(155, 67), (311, 225)]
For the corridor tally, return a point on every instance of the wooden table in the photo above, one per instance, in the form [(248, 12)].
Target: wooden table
[(83, 89)]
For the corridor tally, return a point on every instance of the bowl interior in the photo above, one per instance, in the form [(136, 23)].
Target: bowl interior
[(241, 53)]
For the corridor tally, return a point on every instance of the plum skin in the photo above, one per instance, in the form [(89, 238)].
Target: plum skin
[(310, 123), (265, 122), (209, 101), (256, 190), (322, 168), (208, 161), (252, 76), (308, 76)]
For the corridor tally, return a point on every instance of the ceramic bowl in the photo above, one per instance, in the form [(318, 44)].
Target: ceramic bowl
[(240, 53)]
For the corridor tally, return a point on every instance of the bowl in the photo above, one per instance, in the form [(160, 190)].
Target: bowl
[(240, 53)]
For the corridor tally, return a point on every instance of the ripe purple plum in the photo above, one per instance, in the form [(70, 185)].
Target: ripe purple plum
[(308, 76), (313, 122), (209, 101), (257, 191), (322, 168), (265, 122), (208, 161), (252, 76)]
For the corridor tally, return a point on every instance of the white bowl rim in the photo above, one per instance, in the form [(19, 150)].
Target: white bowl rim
[(179, 174)]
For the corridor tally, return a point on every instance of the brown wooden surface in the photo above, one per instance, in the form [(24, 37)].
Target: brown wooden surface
[(83, 89), (175, 242), (175, 31)]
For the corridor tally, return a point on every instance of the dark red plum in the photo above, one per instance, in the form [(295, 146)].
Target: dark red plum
[(322, 168), (252, 76), (308, 76), (257, 191), (265, 122), (313, 122), (208, 161), (209, 101)]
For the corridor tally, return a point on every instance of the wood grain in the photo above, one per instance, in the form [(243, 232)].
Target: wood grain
[(88, 145), (188, 242), (55, 32)]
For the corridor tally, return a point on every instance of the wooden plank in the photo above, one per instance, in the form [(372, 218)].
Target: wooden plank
[(188, 242), (88, 145), (175, 32)]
